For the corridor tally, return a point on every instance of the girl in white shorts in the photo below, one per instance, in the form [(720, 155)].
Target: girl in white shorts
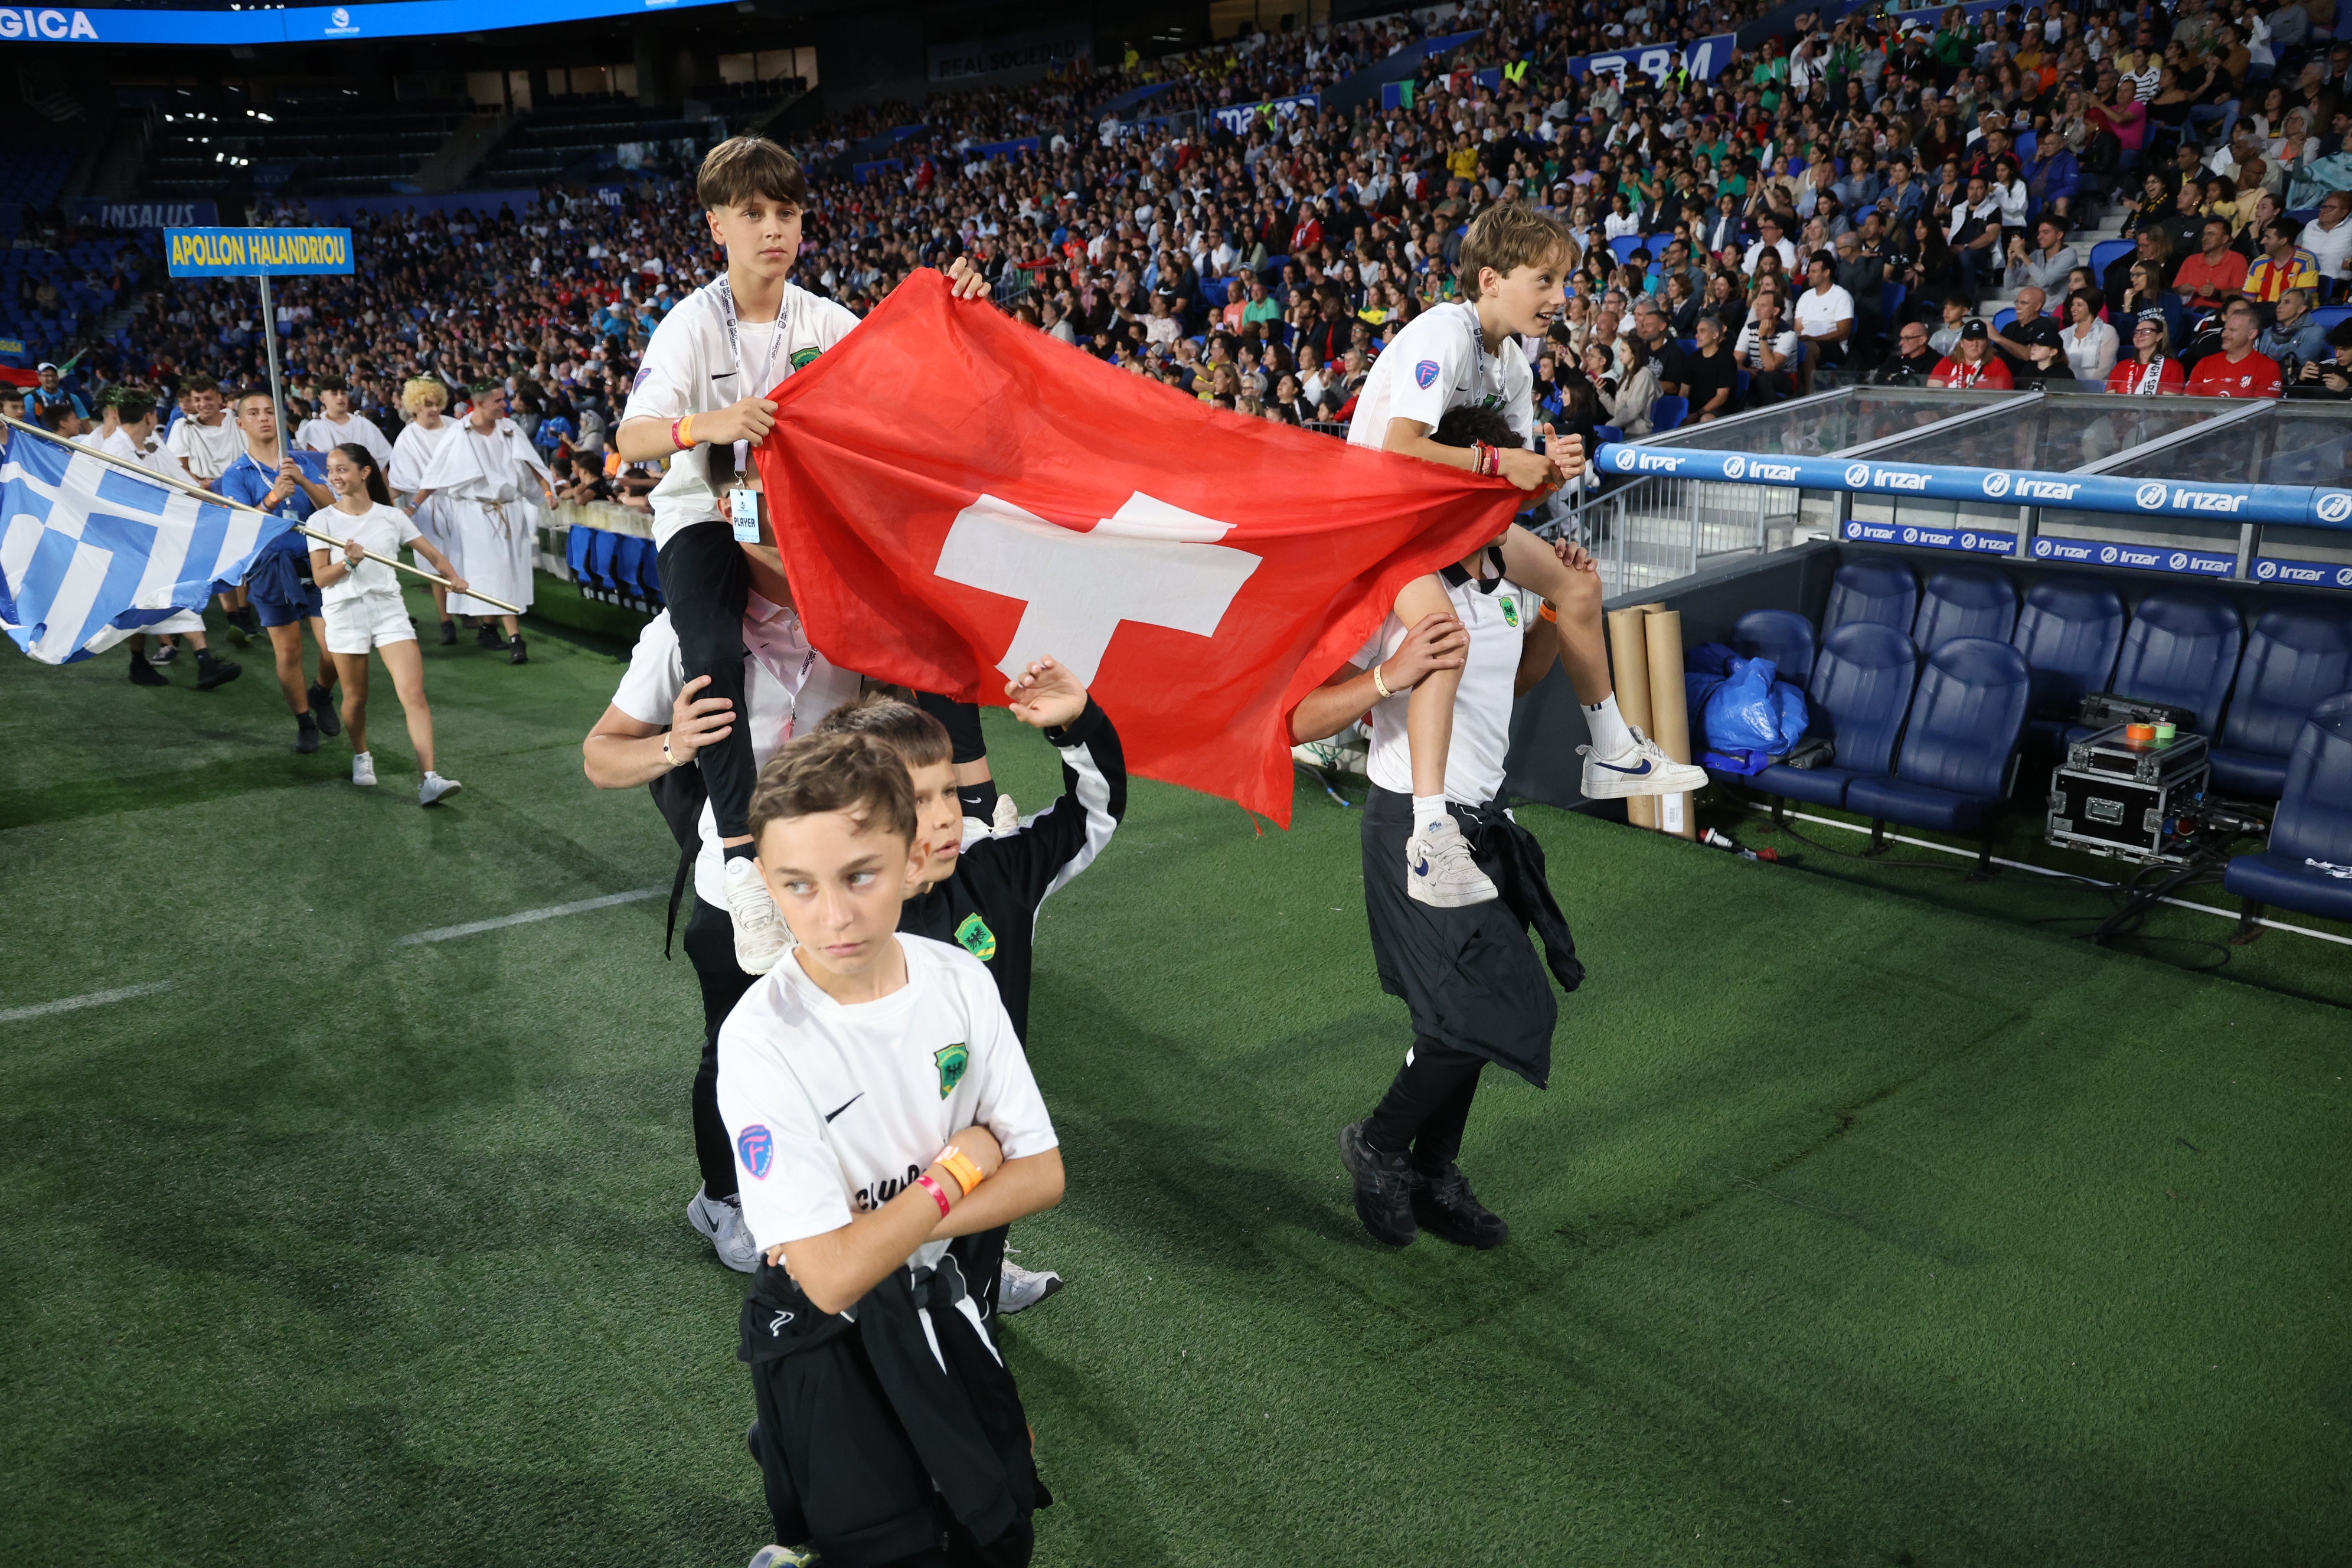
[(364, 610)]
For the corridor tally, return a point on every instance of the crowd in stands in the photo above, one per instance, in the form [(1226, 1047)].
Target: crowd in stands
[(1842, 202)]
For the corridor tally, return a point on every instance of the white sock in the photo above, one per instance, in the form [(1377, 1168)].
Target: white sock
[(1611, 738), (1429, 812)]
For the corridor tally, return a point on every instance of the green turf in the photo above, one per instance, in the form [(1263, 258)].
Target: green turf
[(1856, 1229)]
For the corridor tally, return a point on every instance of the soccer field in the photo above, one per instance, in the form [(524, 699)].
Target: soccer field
[(1854, 1229)]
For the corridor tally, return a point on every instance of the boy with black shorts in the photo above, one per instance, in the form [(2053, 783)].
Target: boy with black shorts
[(702, 404), (983, 893), (879, 1106), (1475, 988)]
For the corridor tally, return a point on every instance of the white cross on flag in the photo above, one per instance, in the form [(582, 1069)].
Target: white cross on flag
[(957, 494)]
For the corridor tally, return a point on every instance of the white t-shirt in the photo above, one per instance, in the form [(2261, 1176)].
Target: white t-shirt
[(118, 443), (788, 687), (1438, 362), (383, 529), (1784, 344), (1497, 623), (209, 449), (321, 434), (690, 367), (833, 1111), (1818, 312), (1788, 256)]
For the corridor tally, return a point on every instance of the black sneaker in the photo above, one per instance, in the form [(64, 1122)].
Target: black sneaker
[(331, 723), (143, 673), (1449, 1210), (306, 734), (488, 635), (448, 634), (213, 670), (245, 623), (516, 652), (1383, 1188)]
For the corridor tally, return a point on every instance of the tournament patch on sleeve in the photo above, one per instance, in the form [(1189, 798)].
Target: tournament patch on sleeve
[(756, 1147), (1425, 374)]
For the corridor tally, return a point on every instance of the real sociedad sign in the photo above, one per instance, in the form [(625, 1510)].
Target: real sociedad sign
[(2299, 505), (1704, 59)]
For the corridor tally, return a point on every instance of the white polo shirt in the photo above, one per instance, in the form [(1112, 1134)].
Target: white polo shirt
[(1436, 362), (833, 1111), (790, 687), (1498, 624), (209, 449), (690, 367)]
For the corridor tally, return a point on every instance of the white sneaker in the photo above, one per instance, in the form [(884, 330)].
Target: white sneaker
[(436, 789), (162, 653), (720, 1222), (1643, 770), (761, 938), (1007, 820), (1439, 871), (364, 769), (1018, 1290)]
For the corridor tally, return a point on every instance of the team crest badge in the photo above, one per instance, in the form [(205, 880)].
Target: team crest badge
[(1424, 374), (952, 1061), (757, 1147), (805, 358), (976, 938), (1510, 615)]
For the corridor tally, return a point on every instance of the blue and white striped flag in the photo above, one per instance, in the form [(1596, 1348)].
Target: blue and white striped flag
[(91, 552)]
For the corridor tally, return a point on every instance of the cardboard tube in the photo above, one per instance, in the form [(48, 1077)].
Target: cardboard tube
[(1670, 713), (1629, 658)]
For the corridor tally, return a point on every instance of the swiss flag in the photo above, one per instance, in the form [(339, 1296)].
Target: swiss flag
[(958, 494)]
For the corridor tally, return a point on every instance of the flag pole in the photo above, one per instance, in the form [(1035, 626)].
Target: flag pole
[(206, 496)]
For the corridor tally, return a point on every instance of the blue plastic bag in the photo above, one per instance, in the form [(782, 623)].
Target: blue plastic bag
[(1752, 711)]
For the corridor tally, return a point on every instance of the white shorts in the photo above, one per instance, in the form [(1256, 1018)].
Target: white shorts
[(370, 620)]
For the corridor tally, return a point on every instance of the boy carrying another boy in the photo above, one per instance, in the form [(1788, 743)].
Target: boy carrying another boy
[(1467, 355), (701, 403), (983, 895), (879, 1106)]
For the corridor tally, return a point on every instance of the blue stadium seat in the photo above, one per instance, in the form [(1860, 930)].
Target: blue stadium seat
[(1873, 588), (2106, 253), (1859, 693), (577, 543), (2069, 633), (2181, 649), (1781, 636), (2328, 315), (1658, 243), (1953, 770), (2314, 823), (1624, 245), (2296, 657), (628, 558), (603, 549), (649, 575), (1964, 602), (1667, 412), (2003, 319), (1890, 303)]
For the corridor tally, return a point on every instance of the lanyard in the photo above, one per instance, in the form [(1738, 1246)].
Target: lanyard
[(723, 292), (774, 657)]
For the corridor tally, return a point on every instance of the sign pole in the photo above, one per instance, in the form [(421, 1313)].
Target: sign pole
[(276, 392)]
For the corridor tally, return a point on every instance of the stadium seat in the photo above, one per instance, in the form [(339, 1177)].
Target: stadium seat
[(1964, 602), (577, 543), (2069, 632), (1859, 693), (600, 556), (2314, 823), (2329, 315), (2003, 319), (2296, 657), (1624, 245), (1873, 588), (1667, 412), (2181, 649), (628, 558), (2108, 252), (1781, 636), (1953, 770)]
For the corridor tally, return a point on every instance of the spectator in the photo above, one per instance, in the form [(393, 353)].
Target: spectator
[(2044, 266), (2237, 370), (2090, 344), (2215, 275), (2330, 377), (2328, 238), (1913, 363), (2283, 266), (1713, 375), (1768, 353), (1825, 317), (2032, 348), (1972, 364), (1637, 386), (2293, 338), (2151, 369)]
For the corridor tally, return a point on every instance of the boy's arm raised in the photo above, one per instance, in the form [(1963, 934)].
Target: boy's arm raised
[(1063, 839)]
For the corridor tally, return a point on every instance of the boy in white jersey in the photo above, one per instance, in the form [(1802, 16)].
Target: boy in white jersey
[(702, 404), (335, 425), (879, 1106), (1467, 355)]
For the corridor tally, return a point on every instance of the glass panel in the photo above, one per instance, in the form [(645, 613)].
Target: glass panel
[(2305, 445), (1867, 413), (2054, 435)]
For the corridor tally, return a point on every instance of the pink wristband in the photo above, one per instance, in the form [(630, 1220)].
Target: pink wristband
[(939, 1194)]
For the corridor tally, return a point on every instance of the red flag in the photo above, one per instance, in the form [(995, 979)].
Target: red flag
[(959, 494)]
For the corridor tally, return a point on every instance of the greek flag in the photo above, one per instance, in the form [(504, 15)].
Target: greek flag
[(91, 552)]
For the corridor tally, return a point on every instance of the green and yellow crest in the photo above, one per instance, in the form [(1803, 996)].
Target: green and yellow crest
[(805, 358), (1510, 613), (976, 938), (952, 1061)]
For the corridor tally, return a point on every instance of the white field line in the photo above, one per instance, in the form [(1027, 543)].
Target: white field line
[(75, 1004), (471, 927)]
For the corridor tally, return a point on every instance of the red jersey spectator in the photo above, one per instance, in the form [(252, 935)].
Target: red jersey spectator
[(2215, 274), (2237, 370), (1972, 363)]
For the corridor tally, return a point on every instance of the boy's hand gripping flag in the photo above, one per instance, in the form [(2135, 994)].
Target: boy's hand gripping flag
[(957, 494)]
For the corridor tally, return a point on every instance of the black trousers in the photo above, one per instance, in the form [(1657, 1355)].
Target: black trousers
[(711, 948), (707, 583), (1427, 1106)]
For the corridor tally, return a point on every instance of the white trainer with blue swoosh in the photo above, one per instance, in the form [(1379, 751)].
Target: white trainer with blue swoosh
[(1439, 871), (1642, 769)]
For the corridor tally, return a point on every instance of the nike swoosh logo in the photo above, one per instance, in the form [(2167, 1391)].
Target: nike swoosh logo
[(845, 1105), (1613, 768), (1422, 869)]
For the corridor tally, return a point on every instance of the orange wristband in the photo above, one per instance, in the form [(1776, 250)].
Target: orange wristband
[(682, 431), (1548, 610), (960, 1165)]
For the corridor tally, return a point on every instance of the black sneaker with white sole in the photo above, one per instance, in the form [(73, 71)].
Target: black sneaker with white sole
[(331, 723), (1449, 1210), (516, 652), (1383, 1188)]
